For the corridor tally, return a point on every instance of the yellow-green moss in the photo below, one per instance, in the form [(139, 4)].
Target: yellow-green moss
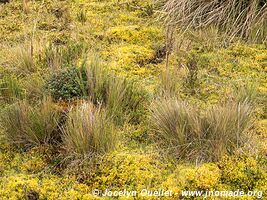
[(135, 34), (245, 173), (127, 41), (128, 171), (133, 54), (21, 186), (206, 176)]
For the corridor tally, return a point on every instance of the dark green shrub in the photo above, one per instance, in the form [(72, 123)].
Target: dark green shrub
[(67, 84)]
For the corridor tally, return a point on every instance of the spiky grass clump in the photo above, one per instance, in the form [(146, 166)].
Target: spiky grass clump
[(59, 56), (31, 126), (97, 79), (23, 61), (171, 120), (189, 133), (125, 101), (89, 132), (225, 128), (242, 18), (10, 89), (121, 97)]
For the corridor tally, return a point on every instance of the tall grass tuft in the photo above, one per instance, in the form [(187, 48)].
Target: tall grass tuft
[(97, 79), (81, 16), (10, 89), (22, 60), (170, 82), (237, 18), (225, 127), (189, 133), (31, 126), (59, 56), (88, 131), (125, 100), (121, 97)]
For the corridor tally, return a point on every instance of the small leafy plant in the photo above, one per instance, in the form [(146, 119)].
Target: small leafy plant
[(67, 84)]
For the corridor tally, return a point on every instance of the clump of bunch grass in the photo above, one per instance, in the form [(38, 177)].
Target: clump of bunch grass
[(97, 81), (59, 56), (124, 100), (10, 89), (30, 126), (121, 97), (245, 19), (81, 16), (191, 134), (88, 131), (22, 60)]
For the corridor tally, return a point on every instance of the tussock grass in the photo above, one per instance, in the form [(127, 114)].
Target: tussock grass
[(124, 100), (10, 89), (170, 82), (120, 96), (31, 126), (225, 127), (97, 79), (191, 134), (237, 18), (81, 16), (57, 57), (88, 131), (22, 60), (34, 86)]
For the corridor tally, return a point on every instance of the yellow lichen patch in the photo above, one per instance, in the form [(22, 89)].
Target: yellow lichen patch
[(207, 176), (132, 61), (261, 128), (15, 187), (223, 72)]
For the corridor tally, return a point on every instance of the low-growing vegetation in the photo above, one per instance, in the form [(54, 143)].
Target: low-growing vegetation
[(133, 96)]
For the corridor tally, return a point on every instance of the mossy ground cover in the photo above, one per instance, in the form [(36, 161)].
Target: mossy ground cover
[(130, 42)]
